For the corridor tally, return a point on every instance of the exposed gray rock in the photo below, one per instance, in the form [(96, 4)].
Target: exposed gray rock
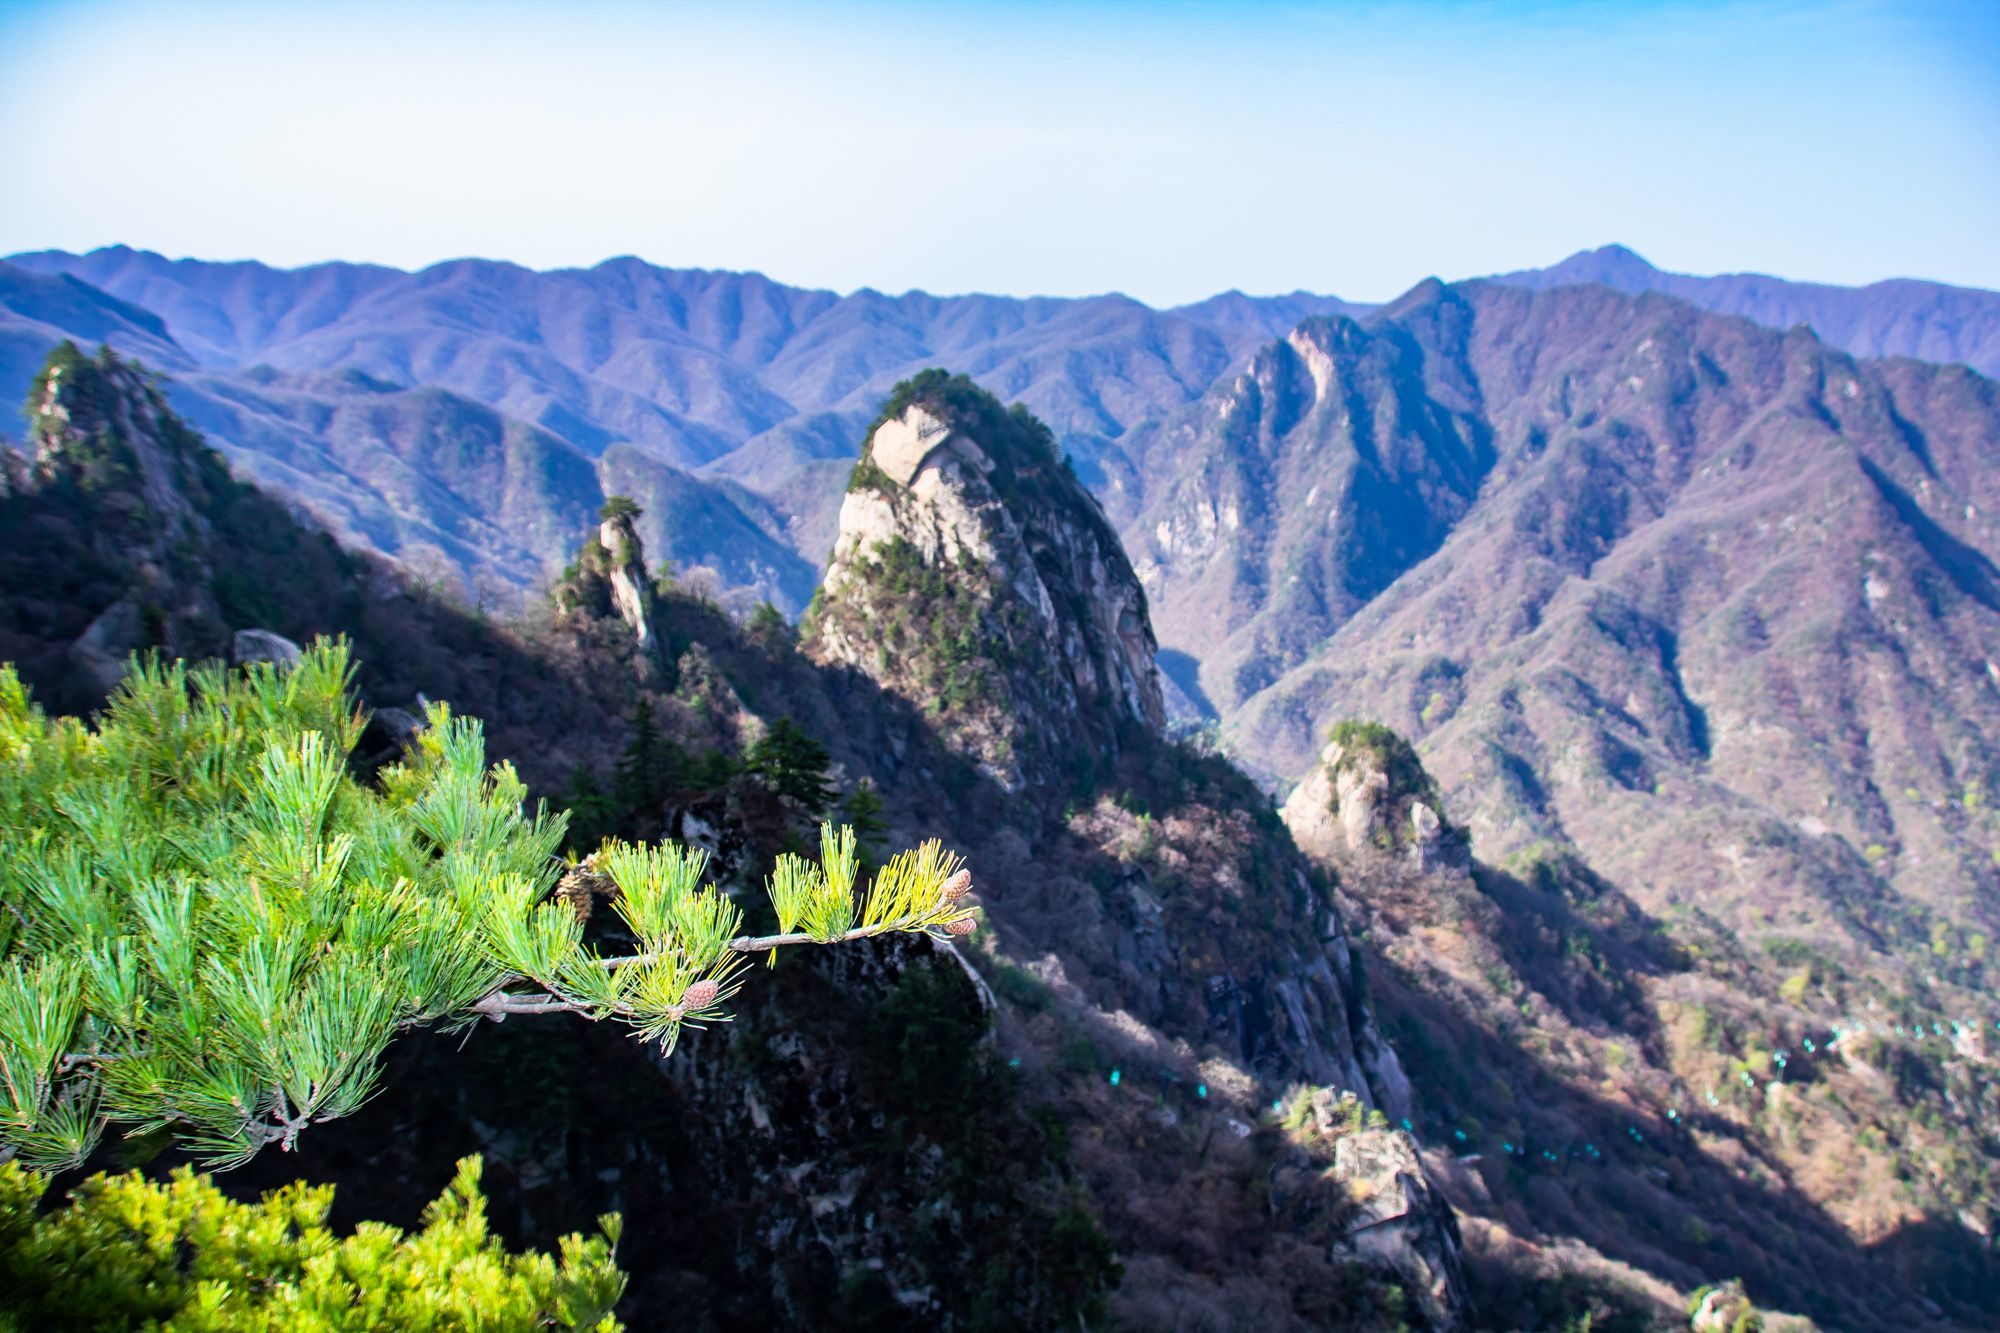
[(1400, 1222), (1347, 808), (261, 645), (99, 654), (402, 726), (1043, 583), (629, 591), (1363, 1194)]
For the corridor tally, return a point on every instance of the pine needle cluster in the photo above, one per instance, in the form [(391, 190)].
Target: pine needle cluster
[(208, 926)]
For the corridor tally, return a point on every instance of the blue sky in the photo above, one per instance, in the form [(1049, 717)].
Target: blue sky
[(1168, 150)]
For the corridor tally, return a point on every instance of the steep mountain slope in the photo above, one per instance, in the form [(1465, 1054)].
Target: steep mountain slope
[(976, 580), (968, 557), (734, 377), (39, 310), (463, 495), (886, 1137), (1928, 321), (1695, 622), (1631, 1098), (1712, 568), (1293, 494)]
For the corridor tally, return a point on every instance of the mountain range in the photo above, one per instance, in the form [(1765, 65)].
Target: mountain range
[(1692, 620), (727, 403), (469, 417)]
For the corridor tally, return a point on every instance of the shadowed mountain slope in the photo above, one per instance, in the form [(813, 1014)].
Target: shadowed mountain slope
[(896, 1135), (1696, 624)]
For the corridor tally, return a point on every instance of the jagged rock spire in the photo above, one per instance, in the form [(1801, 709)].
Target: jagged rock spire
[(609, 575), (973, 574)]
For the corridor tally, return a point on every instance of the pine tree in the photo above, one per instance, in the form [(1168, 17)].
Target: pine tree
[(793, 765), (594, 813), (207, 925), (647, 769), (863, 812)]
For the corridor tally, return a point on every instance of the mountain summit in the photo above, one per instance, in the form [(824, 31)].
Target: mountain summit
[(974, 575)]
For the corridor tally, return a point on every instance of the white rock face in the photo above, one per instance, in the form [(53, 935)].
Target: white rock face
[(1334, 812), (1062, 592), (1425, 826), (900, 446), (1308, 812), (1341, 811), (1400, 1222), (628, 592)]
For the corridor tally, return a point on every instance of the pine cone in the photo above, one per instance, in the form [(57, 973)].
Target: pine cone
[(965, 925), (957, 886), (583, 885), (700, 995)]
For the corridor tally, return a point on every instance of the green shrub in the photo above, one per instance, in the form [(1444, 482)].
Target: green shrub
[(126, 1251)]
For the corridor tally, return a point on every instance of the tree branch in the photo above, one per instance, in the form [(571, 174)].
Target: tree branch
[(498, 1004), (765, 943)]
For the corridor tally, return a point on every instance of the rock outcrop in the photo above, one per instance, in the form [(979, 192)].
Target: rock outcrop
[(630, 593), (102, 439), (1369, 796), (1398, 1221), (974, 575), (609, 578), (1360, 1190), (261, 645)]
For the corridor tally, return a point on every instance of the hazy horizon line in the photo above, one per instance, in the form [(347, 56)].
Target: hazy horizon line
[(1107, 294)]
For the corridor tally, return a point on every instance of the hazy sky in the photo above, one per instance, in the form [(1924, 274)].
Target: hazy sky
[(1168, 150)]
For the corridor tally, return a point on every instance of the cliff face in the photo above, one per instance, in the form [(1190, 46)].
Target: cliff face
[(973, 575), (102, 444), (1162, 927), (1298, 490), (609, 578)]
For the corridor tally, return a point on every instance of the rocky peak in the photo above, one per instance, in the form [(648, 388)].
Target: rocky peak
[(629, 591), (100, 423), (609, 575), (141, 487), (974, 575), (1370, 797), (1350, 1182), (1295, 492)]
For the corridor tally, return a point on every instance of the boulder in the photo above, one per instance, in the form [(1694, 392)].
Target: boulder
[(261, 645), (1400, 1222), (99, 653)]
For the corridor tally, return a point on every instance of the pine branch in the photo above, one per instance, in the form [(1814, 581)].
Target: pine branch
[(498, 1004), (766, 943)]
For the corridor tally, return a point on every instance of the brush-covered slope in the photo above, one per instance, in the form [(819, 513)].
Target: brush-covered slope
[(465, 496), (886, 1137), (1722, 615), (728, 375), (1694, 622), (1643, 1101)]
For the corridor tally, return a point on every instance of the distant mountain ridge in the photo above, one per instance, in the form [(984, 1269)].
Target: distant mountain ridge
[(466, 417), (1695, 623), (745, 392), (1926, 321)]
